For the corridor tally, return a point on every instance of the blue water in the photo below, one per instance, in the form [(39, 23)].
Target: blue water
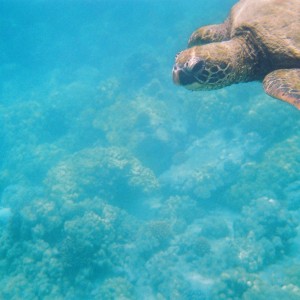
[(117, 184)]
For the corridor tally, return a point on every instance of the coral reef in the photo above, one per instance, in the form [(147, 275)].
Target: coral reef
[(280, 163), (115, 288), (210, 163), (107, 172)]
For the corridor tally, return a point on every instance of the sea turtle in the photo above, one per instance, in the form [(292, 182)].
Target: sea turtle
[(260, 40)]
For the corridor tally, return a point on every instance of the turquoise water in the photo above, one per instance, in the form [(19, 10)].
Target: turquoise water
[(117, 184)]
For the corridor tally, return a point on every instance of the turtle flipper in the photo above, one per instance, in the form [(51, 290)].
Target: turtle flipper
[(284, 85), (210, 34)]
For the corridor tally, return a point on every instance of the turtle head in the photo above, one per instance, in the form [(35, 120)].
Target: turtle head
[(205, 67)]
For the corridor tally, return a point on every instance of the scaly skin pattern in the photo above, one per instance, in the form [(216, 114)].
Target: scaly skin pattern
[(284, 84), (214, 65), (210, 34), (258, 37)]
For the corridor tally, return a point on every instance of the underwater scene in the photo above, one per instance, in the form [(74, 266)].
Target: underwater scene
[(117, 184)]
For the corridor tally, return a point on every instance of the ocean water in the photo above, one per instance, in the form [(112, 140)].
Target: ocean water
[(117, 184)]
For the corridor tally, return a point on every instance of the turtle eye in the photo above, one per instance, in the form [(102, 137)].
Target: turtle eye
[(199, 66)]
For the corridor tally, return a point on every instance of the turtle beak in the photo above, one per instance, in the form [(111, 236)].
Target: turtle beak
[(182, 75), (175, 72)]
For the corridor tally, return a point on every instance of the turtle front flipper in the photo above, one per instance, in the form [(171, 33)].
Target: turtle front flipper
[(284, 85), (210, 34)]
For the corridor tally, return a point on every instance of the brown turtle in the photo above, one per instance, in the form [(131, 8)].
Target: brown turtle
[(260, 40)]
